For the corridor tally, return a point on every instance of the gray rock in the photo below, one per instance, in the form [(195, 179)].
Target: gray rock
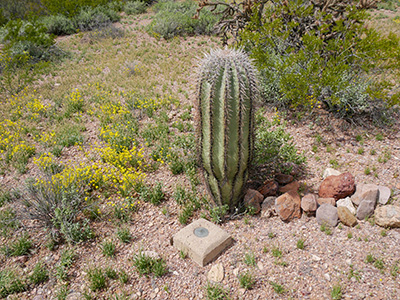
[(365, 192), (346, 202), (384, 194), (268, 207), (329, 172), (309, 203), (365, 209), (327, 214), (388, 216)]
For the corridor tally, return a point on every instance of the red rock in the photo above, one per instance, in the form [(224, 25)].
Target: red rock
[(288, 206), (337, 187), (269, 188), (253, 198), (293, 186), (330, 201), (283, 178)]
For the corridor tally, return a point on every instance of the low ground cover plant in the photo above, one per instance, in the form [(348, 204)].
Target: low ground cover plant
[(174, 18)]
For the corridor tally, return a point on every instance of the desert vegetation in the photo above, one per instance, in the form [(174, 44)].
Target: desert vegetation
[(99, 143)]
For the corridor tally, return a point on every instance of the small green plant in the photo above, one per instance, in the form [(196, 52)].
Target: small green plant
[(370, 258), (276, 252), (66, 260), (367, 171), (216, 292), (278, 288), (349, 235), (154, 195), (124, 235), (395, 269), (336, 292), (182, 254), (326, 228), (360, 151), (246, 280), (379, 264), (265, 249), (111, 273), (218, 213), (8, 221), (108, 248), (123, 277), (281, 263), (19, 247), (62, 292), (97, 279), (250, 259), (39, 274), (383, 233), (271, 235), (372, 152), (300, 244), (359, 138), (10, 283), (353, 273), (379, 137), (146, 265)]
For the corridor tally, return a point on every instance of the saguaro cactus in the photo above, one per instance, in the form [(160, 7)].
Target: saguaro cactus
[(225, 93)]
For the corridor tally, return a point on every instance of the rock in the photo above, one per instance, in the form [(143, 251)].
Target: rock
[(309, 203), (327, 214), (365, 209), (330, 201), (384, 194), (216, 273), (346, 202), (388, 216), (269, 188), (253, 198), (268, 207), (283, 179), (293, 186), (288, 205), (364, 192), (21, 259), (151, 254), (346, 217), (74, 296), (337, 187), (329, 172)]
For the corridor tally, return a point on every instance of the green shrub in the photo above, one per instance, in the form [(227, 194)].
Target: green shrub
[(57, 206), (307, 65), (93, 18), (64, 264), (70, 8), (59, 25), (274, 148), (176, 18), (27, 38), (135, 7)]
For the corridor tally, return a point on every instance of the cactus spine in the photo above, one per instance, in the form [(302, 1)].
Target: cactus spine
[(225, 93)]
